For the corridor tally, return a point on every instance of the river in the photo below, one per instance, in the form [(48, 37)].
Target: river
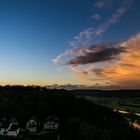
[(135, 124)]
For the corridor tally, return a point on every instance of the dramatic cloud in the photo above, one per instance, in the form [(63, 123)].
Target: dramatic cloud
[(89, 53), (124, 72), (89, 34), (96, 53), (112, 63)]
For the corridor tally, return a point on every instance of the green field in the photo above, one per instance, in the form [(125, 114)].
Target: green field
[(126, 104)]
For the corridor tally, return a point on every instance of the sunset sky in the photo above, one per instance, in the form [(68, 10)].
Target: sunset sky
[(82, 42)]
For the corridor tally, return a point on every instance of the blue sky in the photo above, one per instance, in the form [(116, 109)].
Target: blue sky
[(33, 32)]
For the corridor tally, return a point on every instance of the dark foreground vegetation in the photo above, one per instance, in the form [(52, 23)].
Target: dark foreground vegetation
[(79, 118)]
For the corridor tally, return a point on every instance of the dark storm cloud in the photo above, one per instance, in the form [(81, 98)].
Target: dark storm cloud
[(96, 54)]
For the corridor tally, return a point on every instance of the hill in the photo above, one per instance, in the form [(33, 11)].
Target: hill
[(79, 119)]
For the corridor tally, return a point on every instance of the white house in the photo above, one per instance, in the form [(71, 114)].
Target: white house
[(13, 129), (51, 123), (33, 124), (3, 127)]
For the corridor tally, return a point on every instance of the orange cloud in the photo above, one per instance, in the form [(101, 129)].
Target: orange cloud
[(123, 72), (126, 71)]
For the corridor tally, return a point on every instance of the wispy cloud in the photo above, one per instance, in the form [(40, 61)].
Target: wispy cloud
[(94, 61), (103, 3), (62, 58), (96, 17), (114, 18), (91, 33)]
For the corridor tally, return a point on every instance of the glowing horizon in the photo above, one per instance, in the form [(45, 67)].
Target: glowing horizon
[(88, 42)]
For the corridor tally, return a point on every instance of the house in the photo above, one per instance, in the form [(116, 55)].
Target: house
[(33, 125), (3, 127), (51, 123), (14, 128)]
